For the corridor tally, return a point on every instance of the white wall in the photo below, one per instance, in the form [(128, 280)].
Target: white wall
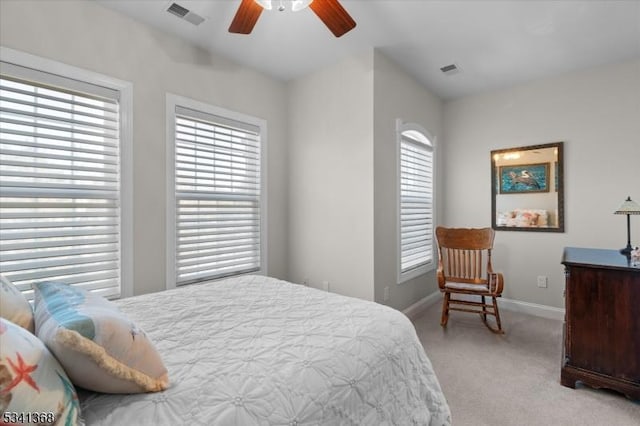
[(343, 176), (331, 177), (597, 114), (397, 95), (86, 35)]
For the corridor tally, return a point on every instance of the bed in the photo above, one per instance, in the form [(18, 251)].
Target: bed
[(253, 350)]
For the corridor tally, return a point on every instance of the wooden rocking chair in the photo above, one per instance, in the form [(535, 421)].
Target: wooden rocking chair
[(464, 267)]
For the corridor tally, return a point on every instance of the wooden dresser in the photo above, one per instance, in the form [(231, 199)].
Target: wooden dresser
[(602, 321)]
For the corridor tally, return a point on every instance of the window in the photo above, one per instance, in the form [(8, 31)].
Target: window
[(216, 200), (63, 212), (415, 201)]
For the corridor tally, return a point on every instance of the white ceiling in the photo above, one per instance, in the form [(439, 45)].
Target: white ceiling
[(495, 43)]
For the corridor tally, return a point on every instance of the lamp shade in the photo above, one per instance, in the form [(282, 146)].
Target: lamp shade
[(628, 207)]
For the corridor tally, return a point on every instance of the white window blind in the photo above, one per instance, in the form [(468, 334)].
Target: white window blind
[(59, 181), (416, 201), (217, 194)]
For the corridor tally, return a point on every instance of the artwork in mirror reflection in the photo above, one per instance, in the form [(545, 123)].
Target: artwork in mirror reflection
[(527, 190), (524, 178)]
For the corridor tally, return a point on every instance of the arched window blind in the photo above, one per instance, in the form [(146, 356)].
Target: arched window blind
[(217, 196), (59, 181), (416, 202)]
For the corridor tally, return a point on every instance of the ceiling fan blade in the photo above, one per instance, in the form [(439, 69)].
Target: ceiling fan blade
[(246, 17), (334, 16)]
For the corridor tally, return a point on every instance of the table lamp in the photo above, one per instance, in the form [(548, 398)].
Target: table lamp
[(629, 207)]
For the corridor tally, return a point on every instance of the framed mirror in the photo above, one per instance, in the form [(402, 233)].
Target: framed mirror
[(527, 188)]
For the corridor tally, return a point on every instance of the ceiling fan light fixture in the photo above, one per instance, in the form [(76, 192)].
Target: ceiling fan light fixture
[(297, 5), (266, 4)]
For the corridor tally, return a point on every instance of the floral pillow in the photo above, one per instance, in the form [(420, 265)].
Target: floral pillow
[(100, 347), (13, 305), (531, 217), (522, 218), (34, 389)]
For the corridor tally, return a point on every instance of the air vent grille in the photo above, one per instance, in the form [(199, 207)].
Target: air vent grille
[(186, 14), (178, 10), (450, 69)]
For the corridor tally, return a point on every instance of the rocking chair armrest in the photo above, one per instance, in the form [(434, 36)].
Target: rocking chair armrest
[(496, 283), (441, 279)]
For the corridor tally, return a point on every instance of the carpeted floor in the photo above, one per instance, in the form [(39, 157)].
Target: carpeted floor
[(512, 379)]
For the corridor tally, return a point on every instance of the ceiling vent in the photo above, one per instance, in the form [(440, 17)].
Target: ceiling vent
[(450, 69), (184, 13)]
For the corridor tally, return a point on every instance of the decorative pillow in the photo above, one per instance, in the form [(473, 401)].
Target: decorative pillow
[(34, 388), (531, 217), (99, 347), (522, 218), (13, 305), (527, 218), (502, 218)]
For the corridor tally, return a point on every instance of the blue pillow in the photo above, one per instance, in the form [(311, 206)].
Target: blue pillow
[(99, 346)]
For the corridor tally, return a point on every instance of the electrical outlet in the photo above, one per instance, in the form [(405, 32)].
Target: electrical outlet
[(542, 281), (325, 285), (385, 297)]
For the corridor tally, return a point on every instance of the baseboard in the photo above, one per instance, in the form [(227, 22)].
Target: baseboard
[(421, 305), (528, 308), (534, 309)]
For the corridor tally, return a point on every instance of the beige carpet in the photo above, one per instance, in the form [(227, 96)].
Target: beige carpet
[(512, 379)]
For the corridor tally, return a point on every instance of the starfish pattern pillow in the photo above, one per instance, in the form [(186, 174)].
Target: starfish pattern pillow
[(34, 388)]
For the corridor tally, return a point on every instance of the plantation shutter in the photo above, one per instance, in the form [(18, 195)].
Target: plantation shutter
[(416, 204), (59, 181), (217, 192)]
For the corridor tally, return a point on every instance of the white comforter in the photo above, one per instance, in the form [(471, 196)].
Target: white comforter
[(253, 350)]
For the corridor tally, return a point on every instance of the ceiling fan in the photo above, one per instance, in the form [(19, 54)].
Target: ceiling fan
[(331, 12)]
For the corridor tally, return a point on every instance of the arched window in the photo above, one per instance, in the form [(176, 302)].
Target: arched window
[(415, 201)]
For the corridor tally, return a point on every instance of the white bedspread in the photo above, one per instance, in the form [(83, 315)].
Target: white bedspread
[(253, 350)]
